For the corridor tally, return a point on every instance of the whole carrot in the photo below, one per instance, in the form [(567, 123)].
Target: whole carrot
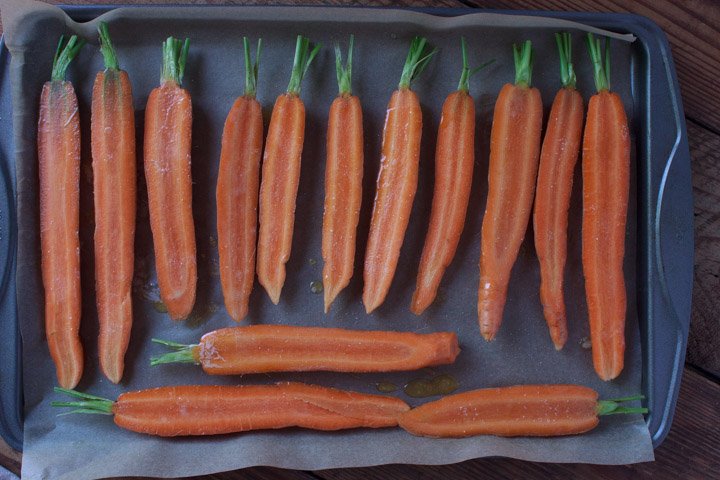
[(397, 180), (558, 157), (519, 411), (606, 185), (283, 348), (113, 152), (168, 131), (343, 183), (281, 175), (237, 192), (514, 152), (213, 410), (59, 171)]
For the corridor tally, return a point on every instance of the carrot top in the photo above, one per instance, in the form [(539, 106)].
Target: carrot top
[(175, 54), (251, 68), (523, 55), (87, 404), (600, 61), (181, 353), (106, 48), (611, 407), (468, 72), (303, 58), (65, 53), (416, 61), (344, 73), (567, 72)]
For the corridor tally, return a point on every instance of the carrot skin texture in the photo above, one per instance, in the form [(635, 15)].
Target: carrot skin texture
[(237, 202), (606, 185), (396, 187), (514, 155), (59, 171), (558, 157), (454, 159), (114, 178), (528, 411), (168, 130)]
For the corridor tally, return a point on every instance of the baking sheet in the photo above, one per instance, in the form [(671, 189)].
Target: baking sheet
[(80, 447)]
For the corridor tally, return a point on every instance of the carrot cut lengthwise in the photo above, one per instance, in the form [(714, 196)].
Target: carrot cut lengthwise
[(514, 153), (520, 411), (168, 131), (281, 175), (280, 348), (559, 155), (606, 185), (59, 171), (397, 180), (237, 193), (212, 410)]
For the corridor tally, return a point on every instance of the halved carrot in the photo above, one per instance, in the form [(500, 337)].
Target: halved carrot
[(168, 132), (237, 192), (113, 152), (397, 180), (519, 411), (284, 348), (606, 185), (59, 171), (281, 175), (514, 153), (212, 410), (554, 185)]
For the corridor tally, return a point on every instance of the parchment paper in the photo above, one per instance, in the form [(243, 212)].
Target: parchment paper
[(87, 446)]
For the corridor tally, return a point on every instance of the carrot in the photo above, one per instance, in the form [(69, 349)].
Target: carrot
[(113, 152), (514, 152), (168, 130), (558, 157), (606, 185), (212, 409), (284, 348), (519, 411), (343, 183), (281, 175), (397, 179), (59, 171), (237, 192)]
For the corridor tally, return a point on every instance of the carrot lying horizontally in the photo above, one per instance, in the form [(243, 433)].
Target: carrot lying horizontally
[(113, 152), (237, 193), (606, 185), (59, 169), (520, 411), (168, 131), (212, 410), (281, 175), (283, 348), (514, 152), (559, 155), (343, 183), (397, 180)]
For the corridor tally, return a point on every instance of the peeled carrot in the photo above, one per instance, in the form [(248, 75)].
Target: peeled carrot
[(284, 348), (559, 155), (237, 193), (168, 131), (606, 185), (343, 183), (281, 175), (514, 152), (520, 411), (212, 410), (397, 180), (59, 169)]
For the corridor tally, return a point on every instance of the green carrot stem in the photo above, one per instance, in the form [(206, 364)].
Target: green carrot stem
[(523, 56), (468, 72), (251, 69), (87, 404), (181, 353), (567, 71), (600, 61), (303, 58), (417, 60), (344, 73), (64, 54), (611, 407), (175, 53), (106, 48)]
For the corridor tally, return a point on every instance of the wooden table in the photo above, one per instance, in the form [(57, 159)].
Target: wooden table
[(692, 449)]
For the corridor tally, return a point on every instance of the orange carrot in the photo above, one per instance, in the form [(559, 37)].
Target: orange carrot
[(237, 193), (397, 180), (343, 183), (284, 348), (606, 185), (554, 185), (212, 410), (520, 411), (113, 152), (168, 131), (514, 152), (59, 169), (281, 175)]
